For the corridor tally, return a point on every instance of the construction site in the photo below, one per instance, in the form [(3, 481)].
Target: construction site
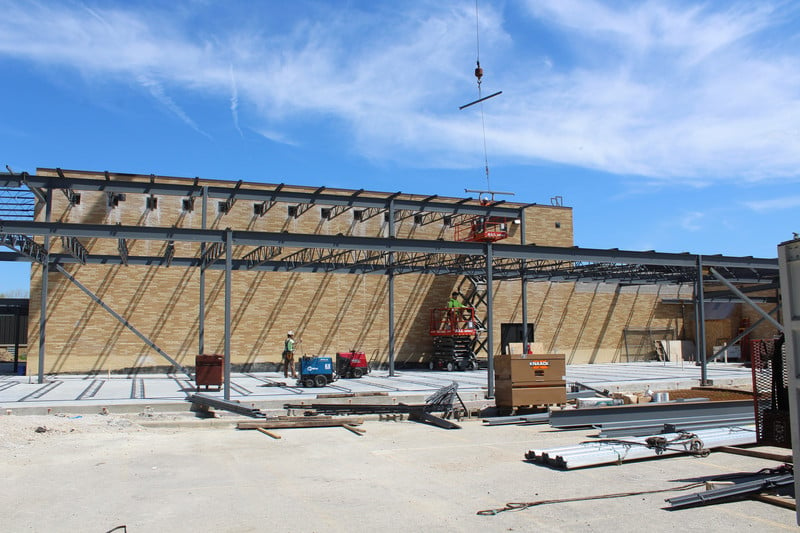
[(478, 361)]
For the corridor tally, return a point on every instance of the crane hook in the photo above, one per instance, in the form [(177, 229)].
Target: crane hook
[(479, 72)]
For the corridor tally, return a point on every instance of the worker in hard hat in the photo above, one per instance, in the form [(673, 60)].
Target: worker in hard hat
[(288, 355)]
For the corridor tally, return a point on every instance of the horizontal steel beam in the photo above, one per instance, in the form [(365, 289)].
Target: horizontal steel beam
[(255, 195), (342, 242), (647, 412)]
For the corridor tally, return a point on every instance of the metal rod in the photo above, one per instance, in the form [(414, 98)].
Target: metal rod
[(479, 100), (747, 300)]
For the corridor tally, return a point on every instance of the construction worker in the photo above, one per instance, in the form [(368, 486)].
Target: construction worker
[(453, 301), (288, 355)]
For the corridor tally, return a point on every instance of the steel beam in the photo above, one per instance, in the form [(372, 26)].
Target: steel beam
[(255, 195), (342, 242), (747, 300), (566, 418)]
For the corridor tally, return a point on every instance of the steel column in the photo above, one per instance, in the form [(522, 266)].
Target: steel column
[(700, 323), (524, 301), (48, 209), (391, 291), (201, 322), (789, 261), (489, 322), (228, 262), (744, 298), (17, 334)]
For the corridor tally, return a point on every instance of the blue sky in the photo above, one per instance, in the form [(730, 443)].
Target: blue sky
[(666, 125)]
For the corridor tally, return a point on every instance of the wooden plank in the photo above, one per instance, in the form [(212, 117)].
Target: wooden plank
[(756, 453), (300, 423), (357, 431), (788, 503), (269, 433)]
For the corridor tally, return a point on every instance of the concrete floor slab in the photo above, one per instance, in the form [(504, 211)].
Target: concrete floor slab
[(271, 390)]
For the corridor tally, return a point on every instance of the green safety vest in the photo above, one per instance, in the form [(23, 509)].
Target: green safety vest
[(289, 345)]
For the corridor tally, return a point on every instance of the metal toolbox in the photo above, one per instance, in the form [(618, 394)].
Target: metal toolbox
[(532, 379)]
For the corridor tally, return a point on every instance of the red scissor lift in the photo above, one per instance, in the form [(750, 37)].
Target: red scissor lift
[(453, 330), (482, 229)]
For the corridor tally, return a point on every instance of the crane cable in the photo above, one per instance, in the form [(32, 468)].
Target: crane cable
[(478, 75)]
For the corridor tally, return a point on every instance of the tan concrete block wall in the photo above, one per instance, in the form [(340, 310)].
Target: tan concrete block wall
[(330, 313)]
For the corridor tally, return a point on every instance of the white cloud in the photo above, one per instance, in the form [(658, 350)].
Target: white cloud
[(672, 91), (774, 204), (235, 103)]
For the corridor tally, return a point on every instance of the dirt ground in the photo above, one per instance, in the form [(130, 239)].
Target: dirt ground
[(713, 394), (163, 472)]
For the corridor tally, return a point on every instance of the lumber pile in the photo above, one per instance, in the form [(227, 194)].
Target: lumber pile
[(291, 422)]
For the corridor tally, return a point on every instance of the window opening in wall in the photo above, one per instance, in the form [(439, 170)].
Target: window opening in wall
[(358, 215), (114, 199), (223, 207), (151, 202), (291, 211), (511, 337), (558, 224), (325, 213), (187, 204)]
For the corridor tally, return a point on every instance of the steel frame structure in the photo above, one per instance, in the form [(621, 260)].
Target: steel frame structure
[(390, 256)]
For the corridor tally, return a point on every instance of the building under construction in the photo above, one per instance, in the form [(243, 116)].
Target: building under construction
[(146, 272)]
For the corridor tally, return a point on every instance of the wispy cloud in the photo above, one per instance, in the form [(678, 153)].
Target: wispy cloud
[(235, 103), (774, 204), (157, 91), (668, 90)]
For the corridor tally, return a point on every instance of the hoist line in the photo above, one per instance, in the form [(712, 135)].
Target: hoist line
[(478, 73)]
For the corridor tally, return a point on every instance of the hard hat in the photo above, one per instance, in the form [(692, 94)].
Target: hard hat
[(290, 333)]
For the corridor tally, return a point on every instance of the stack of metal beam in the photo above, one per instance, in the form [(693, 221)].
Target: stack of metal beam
[(599, 452)]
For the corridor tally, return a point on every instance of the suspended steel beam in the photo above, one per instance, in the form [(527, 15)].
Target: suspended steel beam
[(123, 321), (479, 100)]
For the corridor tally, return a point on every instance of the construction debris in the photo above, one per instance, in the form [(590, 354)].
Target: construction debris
[(301, 422), (442, 401), (205, 402)]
